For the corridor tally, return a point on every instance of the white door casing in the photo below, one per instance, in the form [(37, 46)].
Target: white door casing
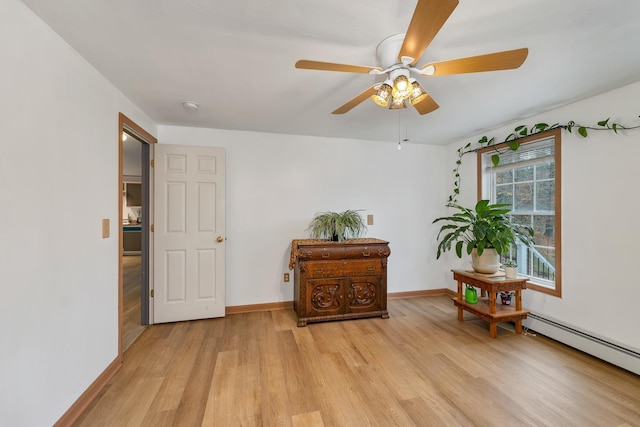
[(189, 230)]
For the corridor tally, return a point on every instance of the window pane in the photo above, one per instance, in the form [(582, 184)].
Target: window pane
[(545, 196), (544, 229), (543, 262), (504, 177), (524, 174), (546, 171), (522, 220), (523, 197), (504, 194)]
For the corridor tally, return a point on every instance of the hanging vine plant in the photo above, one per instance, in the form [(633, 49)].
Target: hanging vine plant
[(523, 131)]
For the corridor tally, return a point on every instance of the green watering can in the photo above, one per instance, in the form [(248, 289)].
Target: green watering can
[(471, 295)]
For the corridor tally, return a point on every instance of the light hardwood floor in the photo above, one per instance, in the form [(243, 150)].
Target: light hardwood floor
[(420, 367), (131, 285)]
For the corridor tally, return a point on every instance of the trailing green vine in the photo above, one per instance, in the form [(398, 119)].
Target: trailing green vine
[(519, 132)]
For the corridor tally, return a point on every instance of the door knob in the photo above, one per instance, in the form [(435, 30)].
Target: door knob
[(220, 239)]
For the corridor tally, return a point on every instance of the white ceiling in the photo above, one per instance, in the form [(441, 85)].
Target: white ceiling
[(236, 59)]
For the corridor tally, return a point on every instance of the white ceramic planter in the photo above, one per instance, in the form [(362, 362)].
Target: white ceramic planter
[(488, 262), (511, 272)]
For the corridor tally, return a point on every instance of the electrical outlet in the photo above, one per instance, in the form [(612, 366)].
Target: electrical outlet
[(286, 277), (105, 228)]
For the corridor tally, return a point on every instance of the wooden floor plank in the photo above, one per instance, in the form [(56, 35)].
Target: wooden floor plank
[(420, 367)]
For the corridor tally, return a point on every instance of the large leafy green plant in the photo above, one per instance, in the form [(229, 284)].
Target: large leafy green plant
[(337, 225), (486, 226)]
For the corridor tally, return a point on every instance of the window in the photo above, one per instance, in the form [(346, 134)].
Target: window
[(529, 180)]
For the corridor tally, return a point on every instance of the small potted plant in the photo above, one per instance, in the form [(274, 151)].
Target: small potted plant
[(510, 269), (337, 226)]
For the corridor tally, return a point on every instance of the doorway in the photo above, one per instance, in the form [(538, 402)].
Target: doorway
[(134, 204)]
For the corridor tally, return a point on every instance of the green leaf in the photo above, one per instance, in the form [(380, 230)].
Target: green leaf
[(495, 159), (514, 145), (519, 128), (603, 122), (541, 127), (483, 140), (615, 127), (459, 248), (582, 131)]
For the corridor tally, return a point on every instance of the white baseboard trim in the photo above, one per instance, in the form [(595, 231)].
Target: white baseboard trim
[(602, 348)]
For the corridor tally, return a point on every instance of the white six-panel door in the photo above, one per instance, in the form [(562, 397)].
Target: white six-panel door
[(188, 237)]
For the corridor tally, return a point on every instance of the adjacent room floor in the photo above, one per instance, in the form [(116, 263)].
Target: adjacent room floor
[(131, 283)]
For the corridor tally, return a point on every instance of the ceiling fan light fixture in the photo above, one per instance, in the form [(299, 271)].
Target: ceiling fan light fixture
[(417, 93), (381, 97), (401, 87), (397, 104)]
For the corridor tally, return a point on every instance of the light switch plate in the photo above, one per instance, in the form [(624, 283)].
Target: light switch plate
[(370, 219), (105, 228)]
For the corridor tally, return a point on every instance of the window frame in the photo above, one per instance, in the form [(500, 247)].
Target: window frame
[(556, 134)]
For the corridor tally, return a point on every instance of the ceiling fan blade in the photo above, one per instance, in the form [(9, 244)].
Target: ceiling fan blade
[(329, 66), (428, 17), (427, 105), (506, 60), (356, 100)]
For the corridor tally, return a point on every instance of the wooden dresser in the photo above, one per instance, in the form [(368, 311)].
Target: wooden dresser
[(339, 280)]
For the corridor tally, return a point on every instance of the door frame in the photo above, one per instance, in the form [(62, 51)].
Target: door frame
[(125, 123)]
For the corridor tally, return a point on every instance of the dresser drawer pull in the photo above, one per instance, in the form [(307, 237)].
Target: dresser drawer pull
[(325, 255), (371, 268), (366, 253), (319, 270)]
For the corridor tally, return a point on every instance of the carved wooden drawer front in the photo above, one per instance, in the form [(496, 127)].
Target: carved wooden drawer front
[(343, 268), (367, 251), (336, 281), (316, 253)]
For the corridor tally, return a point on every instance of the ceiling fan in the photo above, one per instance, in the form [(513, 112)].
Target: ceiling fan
[(399, 54)]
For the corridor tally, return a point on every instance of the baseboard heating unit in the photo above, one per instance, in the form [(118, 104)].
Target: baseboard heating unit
[(614, 353)]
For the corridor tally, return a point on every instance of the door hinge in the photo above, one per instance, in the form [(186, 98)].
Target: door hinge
[(151, 293), (152, 228), (153, 162)]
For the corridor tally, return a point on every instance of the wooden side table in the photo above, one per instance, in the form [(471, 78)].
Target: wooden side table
[(486, 308)]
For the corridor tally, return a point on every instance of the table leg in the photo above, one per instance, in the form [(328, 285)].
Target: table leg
[(460, 315), (492, 302), (493, 329), (519, 307), (519, 326)]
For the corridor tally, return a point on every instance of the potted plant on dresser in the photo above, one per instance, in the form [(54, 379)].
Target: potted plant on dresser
[(485, 231), (337, 226)]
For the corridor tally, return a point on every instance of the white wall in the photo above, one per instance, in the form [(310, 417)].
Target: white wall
[(59, 174), (276, 183), (600, 202)]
